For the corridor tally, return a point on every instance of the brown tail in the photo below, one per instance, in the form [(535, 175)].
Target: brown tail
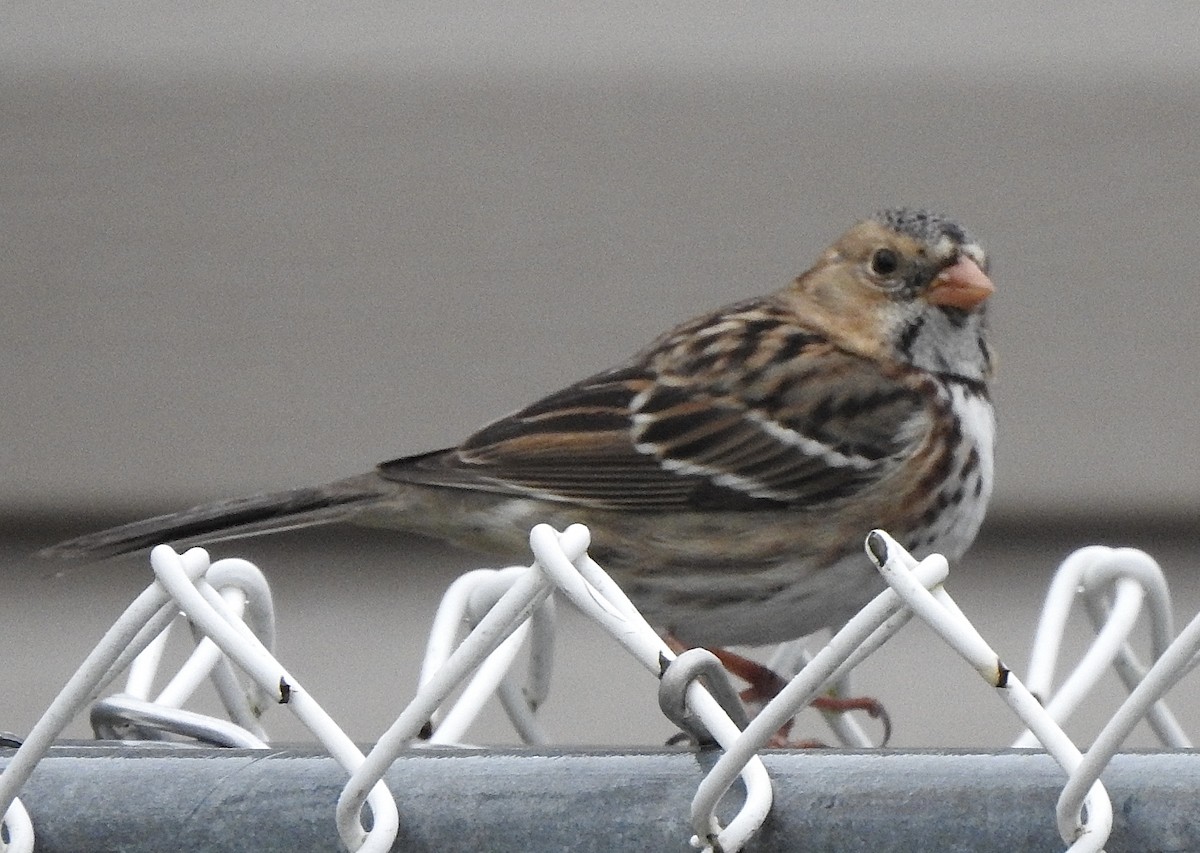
[(229, 519)]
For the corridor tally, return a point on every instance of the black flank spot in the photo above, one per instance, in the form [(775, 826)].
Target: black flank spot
[(941, 470), (954, 433)]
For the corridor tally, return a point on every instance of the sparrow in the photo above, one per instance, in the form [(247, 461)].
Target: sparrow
[(730, 471)]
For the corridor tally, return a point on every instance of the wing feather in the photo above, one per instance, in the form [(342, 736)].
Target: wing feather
[(741, 409)]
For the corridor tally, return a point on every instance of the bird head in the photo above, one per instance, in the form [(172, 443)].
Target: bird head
[(905, 285)]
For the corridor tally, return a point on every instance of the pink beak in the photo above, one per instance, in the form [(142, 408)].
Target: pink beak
[(963, 285)]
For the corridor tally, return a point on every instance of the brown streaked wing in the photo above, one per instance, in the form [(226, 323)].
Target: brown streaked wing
[(574, 446), (818, 428)]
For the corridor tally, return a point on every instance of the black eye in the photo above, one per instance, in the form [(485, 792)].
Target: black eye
[(884, 262)]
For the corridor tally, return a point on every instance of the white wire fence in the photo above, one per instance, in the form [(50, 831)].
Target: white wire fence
[(493, 636)]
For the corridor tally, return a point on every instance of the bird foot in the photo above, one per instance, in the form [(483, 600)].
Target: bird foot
[(765, 684)]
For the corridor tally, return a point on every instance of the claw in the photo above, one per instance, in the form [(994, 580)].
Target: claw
[(765, 684), (873, 708)]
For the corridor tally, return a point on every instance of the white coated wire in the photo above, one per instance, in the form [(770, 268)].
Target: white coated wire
[(1132, 578), (205, 607), (1174, 662), (133, 631), (512, 608), (798, 693), (940, 612), (591, 590), (508, 617), (19, 828), (140, 679), (466, 601), (245, 588), (791, 657), (479, 689)]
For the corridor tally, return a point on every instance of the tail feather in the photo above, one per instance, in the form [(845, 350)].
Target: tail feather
[(233, 518)]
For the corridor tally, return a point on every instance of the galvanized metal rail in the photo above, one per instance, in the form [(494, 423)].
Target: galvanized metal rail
[(208, 800)]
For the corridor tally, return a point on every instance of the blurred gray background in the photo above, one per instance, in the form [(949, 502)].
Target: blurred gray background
[(248, 248)]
